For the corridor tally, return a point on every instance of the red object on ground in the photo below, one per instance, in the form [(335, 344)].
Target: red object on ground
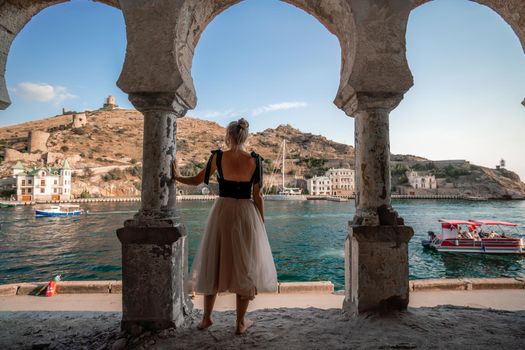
[(51, 288)]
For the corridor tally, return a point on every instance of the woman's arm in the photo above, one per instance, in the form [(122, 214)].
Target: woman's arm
[(258, 199), (191, 180)]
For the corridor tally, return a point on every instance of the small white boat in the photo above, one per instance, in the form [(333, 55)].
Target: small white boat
[(476, 236), (59, 210)]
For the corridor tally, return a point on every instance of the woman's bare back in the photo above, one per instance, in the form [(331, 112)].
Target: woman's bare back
[(237, 165)]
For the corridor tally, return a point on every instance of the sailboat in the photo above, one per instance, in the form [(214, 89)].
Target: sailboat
[(285, 193)]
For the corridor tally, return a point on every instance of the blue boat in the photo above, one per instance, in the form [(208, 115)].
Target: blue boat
[(59, 210)]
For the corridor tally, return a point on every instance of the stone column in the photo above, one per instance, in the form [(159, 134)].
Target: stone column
[(376, 248), (154, 249)]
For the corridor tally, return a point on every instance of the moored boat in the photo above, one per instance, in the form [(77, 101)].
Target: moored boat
[(286, 193), (59, 210), (9, 204), (476, 236)]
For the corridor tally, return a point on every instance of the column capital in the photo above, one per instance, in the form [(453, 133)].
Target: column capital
[(366, 101), (159, 101)]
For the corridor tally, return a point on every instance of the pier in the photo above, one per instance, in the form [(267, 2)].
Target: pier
[(199, 197)]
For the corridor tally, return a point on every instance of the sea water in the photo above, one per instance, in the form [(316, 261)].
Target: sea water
[(307, 240)]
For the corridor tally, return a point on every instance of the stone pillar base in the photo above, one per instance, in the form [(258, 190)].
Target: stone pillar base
[(154, 267), (376, 269)]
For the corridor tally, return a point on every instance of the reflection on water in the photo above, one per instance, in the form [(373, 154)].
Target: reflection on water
[(459, 265), (307, 240)]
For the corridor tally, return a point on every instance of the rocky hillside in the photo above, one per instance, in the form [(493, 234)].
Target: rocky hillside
[(107, 154)]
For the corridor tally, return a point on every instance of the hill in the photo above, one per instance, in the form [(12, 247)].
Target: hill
[(107, 151)]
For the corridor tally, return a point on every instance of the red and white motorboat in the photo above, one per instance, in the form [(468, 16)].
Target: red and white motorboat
[(476, 236)]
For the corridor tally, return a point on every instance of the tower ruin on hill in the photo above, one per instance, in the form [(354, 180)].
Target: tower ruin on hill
[(38, 141), (110, 103), (79, 120)]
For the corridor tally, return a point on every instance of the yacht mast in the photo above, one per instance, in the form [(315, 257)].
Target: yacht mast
[(284, 150)]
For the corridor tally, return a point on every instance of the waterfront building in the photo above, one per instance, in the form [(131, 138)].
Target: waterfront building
[(42, 183), (421, 179), (343, 181), (319, 186)]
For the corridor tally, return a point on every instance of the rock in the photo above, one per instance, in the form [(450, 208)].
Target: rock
[(119, 344), (40, 346), (164, 334)]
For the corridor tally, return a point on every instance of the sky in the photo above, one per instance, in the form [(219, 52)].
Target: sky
[(272, 63)]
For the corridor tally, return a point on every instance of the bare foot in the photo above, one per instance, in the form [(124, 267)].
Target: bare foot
[(205, 323), (243, 326)]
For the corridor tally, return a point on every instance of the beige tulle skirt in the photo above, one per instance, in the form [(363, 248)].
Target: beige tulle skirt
[(234, 254)]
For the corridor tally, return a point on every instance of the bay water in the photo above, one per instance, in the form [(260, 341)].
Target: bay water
[(307, 240)]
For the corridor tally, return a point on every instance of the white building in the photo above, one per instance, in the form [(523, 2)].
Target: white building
[(343, 181), (319, 186), (42, 184), (421, 179)]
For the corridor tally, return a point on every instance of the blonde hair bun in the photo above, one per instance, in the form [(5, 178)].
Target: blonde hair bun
[(243, 123), (237, 133)]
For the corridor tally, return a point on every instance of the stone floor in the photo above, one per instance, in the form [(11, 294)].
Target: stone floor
[(440, 327)]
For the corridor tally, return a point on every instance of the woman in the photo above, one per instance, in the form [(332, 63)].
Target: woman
[(234, 254)]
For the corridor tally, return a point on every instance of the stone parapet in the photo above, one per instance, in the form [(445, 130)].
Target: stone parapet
[(306, 287), (319, 287), (30, 288), (75, 287), (8, 289), (438, 284), (466, 284)]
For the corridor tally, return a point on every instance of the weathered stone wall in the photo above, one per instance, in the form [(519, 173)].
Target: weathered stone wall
[(38, 141), (12, 155), (79, 120)]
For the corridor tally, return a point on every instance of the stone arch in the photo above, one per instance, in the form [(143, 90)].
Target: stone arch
[(336, 17), (512, 12), (14, 15), (189, 20)]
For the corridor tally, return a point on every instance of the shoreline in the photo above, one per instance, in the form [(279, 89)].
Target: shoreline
[(8, 203)]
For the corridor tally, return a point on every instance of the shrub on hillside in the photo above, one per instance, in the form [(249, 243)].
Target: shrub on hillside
[(113, 174), (135, 171), (399, 169), (78, 131), (64, 148), (87, 172)]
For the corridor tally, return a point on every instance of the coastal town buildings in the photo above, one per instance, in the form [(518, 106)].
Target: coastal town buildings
[(319, 186), (42, 183), (343, 181), (335, 182), (421, 179)]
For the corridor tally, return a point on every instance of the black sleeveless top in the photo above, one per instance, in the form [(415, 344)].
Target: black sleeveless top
[(234, 189)]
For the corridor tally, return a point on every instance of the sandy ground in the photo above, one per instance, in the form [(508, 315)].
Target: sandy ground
[(311, 321)]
